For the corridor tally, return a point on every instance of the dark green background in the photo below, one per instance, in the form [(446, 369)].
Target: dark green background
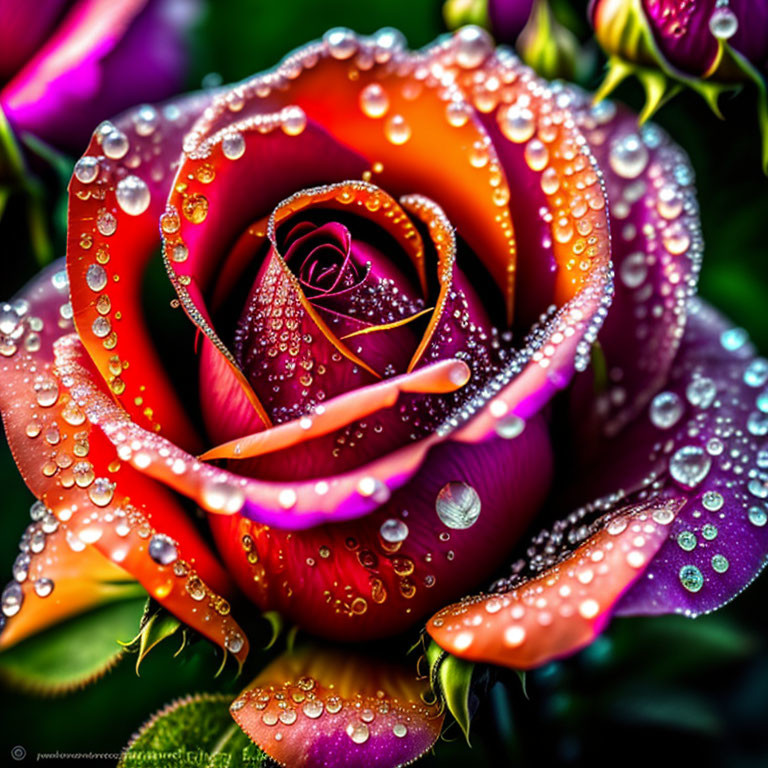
[(651, 689)]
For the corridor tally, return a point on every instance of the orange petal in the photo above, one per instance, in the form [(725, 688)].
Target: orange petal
[(73, 468), (564, 608), (317, 707), (58, 576), (116, 196), (403, 113)]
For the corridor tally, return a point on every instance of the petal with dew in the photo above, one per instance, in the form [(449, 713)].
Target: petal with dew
[(318, 707)]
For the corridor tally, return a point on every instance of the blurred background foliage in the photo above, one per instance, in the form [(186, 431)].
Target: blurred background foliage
[(650, 689)]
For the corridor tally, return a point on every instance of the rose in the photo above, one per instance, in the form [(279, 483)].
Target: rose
[(708, 45), (432, 230), (66, 64)]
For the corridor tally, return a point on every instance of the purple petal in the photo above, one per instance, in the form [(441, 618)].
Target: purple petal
[(103, 57), (714, 454), (508, 17)]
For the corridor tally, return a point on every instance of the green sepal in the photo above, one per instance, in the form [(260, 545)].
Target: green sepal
[(599, 368), (457, 13), (275, 621), (455, 679), (196, 730), (72, 654), (156, 625), (522, 676), (617, 71)]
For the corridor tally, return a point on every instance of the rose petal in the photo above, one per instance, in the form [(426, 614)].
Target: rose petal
[(656, 253), (58, 576), (109, 247), (316, 707), (78, 75), (448, 528), (564, 608), (409, 104), (719, 542), (70, 465)]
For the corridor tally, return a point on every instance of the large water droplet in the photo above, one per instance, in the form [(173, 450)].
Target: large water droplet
[(628, 156), (689, 465), (458, 505), (374, 101), (393, 530), (115, 144), (756, 373), (473, 45), (162, 549), (665, 410), (358, 732), (86, 169), (233, 146), (691, 578), (12, 598), (133, 195), (701, 392), (723, 23), (96, 277), (341, 42), (633, 270), (516, 123)]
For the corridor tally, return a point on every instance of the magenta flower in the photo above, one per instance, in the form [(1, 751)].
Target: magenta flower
[(67, 64), (396, 266)]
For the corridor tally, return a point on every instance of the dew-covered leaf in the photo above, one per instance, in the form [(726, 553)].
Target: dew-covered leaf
[(71, 654), (196, 730)]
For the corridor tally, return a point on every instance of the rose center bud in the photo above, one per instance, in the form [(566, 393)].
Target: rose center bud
[(346, 313)]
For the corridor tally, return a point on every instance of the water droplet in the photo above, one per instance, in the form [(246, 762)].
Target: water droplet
[(665, 410), (757, 423), (341, 42), (86, 169), (222, 496), (399, 730), (397, 130), (691, 578), (473, 45), (712, 501), (633, 270), (133, 195), (101, 491), (689, 466), (162, 549), (43, 587), (393, 530), (458, 505), (686, 540), (115, 144), (313, 708), (723, 23), (146, 120), (756, 373), (516, 123), (195, 208), (701, 392), (536, 155), (734, 339), (293, 121), (101, 327), (720, 563), (106, 223), (628, 156), (233, 146), (709, 532), (374, 100), (510, 426), (758, 516), (96, 277), (12, 598), (358, 732)]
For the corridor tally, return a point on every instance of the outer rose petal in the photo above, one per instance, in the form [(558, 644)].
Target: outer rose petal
[(80, 74), (108, 250), (564, 608), (75, 471), (719, 541), (319, 708), (58, 576), (348, 581), (656, 253)]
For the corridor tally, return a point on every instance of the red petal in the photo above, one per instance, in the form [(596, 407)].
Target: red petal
[(108, 250), (564, 608), (317, 707)]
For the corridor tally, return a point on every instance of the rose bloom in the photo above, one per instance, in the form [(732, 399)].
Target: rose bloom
[(395, 265), (65, 64)]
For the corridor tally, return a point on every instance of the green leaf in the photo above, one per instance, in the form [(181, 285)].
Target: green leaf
[(73, 653), (455, 678), (196, 730)]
